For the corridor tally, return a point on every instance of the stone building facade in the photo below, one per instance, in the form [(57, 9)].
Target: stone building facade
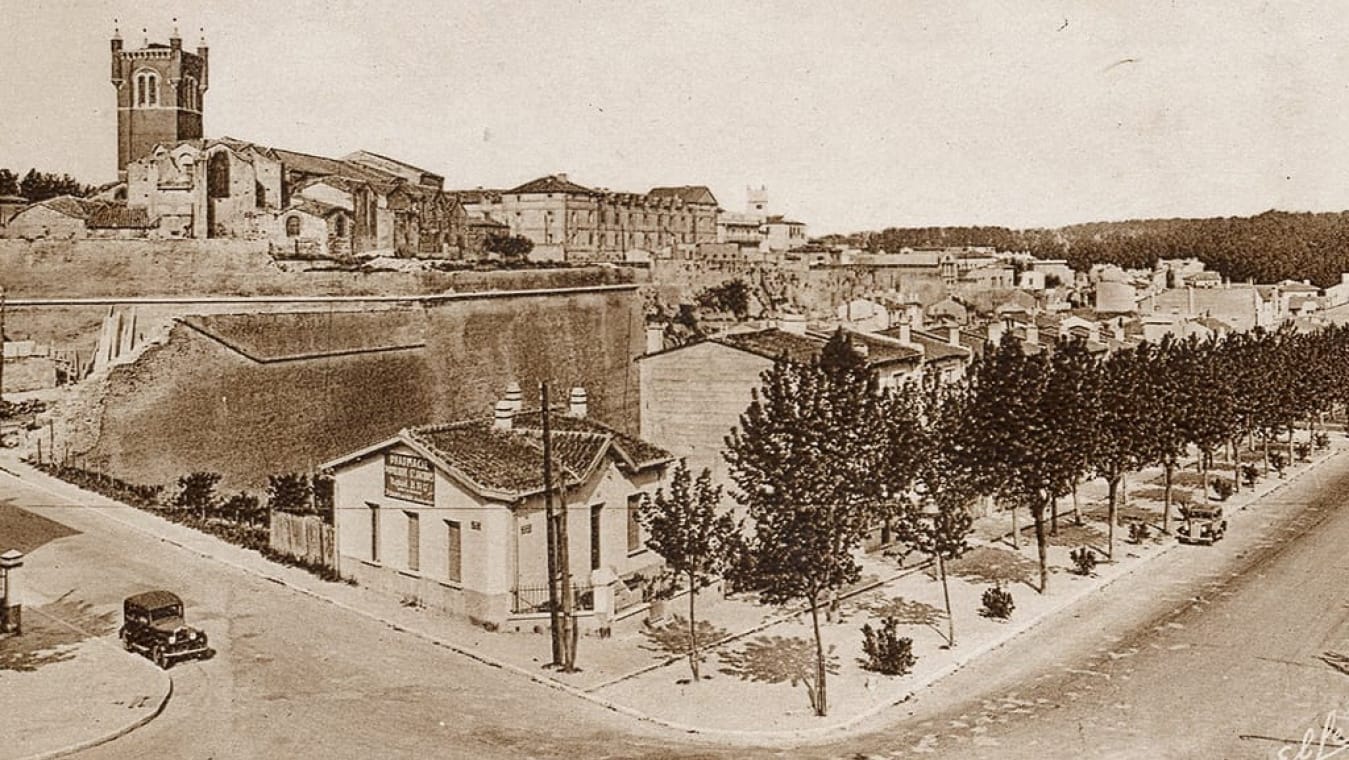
[(572, 222)]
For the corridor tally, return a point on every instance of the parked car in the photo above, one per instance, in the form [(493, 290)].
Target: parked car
[(153, 625), (1201, 524)]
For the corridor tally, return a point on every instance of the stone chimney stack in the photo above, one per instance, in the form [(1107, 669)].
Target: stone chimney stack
[(577, 403), (503, 416), (515, 397), (905, 333), (953, 335), (655, 338)]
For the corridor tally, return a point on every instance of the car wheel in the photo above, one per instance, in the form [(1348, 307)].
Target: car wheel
[(157, 654)]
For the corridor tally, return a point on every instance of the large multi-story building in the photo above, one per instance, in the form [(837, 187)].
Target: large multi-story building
[(568, 221)]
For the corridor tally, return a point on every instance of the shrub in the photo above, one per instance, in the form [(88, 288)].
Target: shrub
[(1139, 532), (887, 652), (1277, 462), (1302, 451), (1249, 474), (1222, 487), (242, 508), (1320, 440), (997, 603), (196, 493), (1084, 561), (291, 492)]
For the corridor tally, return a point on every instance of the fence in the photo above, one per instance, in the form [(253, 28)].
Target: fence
[(530, 600), (304, 537)]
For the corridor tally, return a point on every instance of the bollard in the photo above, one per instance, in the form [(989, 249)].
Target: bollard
[(11, 605)]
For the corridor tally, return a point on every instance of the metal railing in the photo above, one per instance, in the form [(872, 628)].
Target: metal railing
[(529, 600)]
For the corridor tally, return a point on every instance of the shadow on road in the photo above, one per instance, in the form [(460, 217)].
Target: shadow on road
[(51, 633)]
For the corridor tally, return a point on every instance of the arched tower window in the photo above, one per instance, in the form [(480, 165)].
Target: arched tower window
[(190, 92), (147, 89), (292, 226)]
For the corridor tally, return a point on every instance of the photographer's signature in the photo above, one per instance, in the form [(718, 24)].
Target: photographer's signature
[(1330, 740)]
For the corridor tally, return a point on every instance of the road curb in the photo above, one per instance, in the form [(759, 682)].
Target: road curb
[(113, 735)]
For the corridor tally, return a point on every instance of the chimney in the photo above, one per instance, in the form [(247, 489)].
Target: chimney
[(515, 397), (1032, 334), (503, 414), (916, 316), (905, 333), (175, 40), (561, 175), (995, 331), (1118, 330), (655, 338), (576, 403), (953, 335)]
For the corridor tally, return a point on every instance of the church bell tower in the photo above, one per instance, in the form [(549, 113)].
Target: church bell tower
[(160, 94)]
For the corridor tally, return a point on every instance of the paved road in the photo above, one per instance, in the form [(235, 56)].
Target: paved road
[(1149, 668)]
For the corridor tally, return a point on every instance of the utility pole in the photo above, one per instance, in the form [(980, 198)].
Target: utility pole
[(2, 345), (568, 593), (554, 608)]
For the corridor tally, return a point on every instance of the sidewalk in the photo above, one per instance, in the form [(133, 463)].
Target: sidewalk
[(62, 691), (754, 693)]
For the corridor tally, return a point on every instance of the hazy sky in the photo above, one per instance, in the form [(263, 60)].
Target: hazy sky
[(854, 114)]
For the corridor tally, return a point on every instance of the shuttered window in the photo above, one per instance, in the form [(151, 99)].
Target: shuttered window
[(454, 560), (634, 525), (414, 542)]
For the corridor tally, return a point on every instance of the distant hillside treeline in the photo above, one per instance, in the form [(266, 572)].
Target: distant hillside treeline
[(1269, 247)]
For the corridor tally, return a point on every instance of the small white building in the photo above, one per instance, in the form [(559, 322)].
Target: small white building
[(453, 515)]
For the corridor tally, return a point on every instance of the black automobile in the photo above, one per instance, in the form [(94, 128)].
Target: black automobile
[(152, 624), (1201, 524)]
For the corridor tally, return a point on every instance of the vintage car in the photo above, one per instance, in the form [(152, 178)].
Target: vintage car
[(1201, 524), (152, 624)]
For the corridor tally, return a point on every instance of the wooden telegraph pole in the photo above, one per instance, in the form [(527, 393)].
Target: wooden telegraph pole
[(554, 608), (2, 344)]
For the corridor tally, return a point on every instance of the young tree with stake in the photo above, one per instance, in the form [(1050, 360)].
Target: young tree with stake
[(696, 542)]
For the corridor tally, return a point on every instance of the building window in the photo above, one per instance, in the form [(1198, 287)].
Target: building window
[(414, 542), (454, 557), (634, 523), (189, 99), (292, 226), (340, 225), (596, 520), (147, 89), (374, 531)]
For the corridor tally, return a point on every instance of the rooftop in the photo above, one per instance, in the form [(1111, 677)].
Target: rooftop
[(509, 464)]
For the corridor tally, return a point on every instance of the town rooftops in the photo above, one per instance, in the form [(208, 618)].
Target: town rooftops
[(934, 348), (1205, 276), (779, 219), (72, 206), (773, 344), (507, 465)]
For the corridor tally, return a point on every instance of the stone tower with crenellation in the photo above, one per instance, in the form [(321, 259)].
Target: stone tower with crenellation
[(160, 92)]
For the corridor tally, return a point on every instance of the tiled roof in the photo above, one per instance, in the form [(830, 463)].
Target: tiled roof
[(69, 205), (307, 335), (773, 343), (119, 216), (935, 348), (687, 193), (551, 184), (510, 463), (320, 165)]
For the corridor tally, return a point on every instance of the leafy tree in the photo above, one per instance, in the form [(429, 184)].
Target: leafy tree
[(196, 493), (732, 296), (685, 529), (803, 477), (1121, 433), (9, 182), (39, 186), (511, 248), (290, 492)]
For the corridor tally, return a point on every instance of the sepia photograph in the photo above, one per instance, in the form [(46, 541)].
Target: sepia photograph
[(721, 380)]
